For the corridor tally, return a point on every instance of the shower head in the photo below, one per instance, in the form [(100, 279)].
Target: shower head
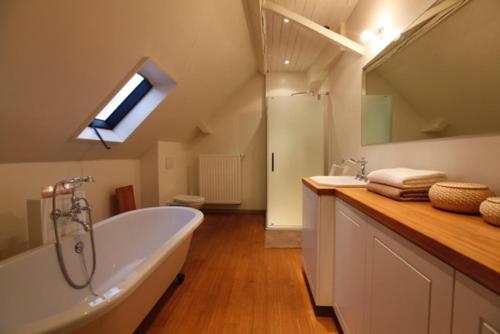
[(301, 93), (88, 179)]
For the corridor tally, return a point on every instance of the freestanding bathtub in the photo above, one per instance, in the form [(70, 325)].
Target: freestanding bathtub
[(139, 254)]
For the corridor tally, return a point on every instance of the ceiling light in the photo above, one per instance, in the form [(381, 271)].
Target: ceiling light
[(367, 36), (287, 62), (286, 20)]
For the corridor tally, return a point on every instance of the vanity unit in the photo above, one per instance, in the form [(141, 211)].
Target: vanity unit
[(318, 214), (403, 267)]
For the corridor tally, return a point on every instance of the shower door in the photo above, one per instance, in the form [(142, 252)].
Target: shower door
[(295, 150)]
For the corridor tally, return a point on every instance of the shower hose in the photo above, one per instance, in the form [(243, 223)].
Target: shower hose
[(60, 256)]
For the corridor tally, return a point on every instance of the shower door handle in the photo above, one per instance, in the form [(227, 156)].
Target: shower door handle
[(272, 162)]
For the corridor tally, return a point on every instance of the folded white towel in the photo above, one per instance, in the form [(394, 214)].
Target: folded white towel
[(406, 177)]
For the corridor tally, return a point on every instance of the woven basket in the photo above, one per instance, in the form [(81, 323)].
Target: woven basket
[(459, 197), (490, 210)]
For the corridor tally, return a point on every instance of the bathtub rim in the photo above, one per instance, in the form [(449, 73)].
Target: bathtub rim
[(81, 313)]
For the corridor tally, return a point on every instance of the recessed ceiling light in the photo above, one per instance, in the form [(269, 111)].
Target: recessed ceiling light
[(286, 20), (287, 62)]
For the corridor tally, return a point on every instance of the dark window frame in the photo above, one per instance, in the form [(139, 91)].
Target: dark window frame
[(125, 107)]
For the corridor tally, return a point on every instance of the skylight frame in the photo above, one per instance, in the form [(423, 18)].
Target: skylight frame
[(122, 103), (162, 84)]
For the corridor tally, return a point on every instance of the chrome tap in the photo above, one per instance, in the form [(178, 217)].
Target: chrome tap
[(361, 175), (79, 205), (76, 208)]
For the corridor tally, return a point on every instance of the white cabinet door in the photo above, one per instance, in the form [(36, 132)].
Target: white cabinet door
[(317, 244), (409, 291), (384, 284), (295, 150), (350, 263), (311, 216), (476, 309)]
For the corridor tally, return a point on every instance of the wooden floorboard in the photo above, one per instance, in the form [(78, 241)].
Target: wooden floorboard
[(234, 284)]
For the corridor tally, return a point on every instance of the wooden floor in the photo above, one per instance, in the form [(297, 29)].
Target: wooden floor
[(235, 285)]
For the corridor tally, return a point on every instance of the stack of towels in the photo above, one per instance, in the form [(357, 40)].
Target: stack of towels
[(404, 184)]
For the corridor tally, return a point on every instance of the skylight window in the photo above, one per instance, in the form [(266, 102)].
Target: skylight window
[(121, 104), (130, 106)]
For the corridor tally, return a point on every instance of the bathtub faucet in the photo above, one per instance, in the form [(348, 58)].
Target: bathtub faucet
[(77, 209), (79, 206), (76, 206)]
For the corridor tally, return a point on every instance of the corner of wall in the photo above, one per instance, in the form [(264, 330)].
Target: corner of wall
[(149, 177), (239, 127)]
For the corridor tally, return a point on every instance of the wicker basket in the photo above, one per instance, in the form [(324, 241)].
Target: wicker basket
[(490, 210), (459, 197)]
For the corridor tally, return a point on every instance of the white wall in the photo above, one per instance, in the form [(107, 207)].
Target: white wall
[(172, 170), (285, 83), (472, 158), (164, 173), (24, 181), (239, 127), (60, 61), (149, 177)]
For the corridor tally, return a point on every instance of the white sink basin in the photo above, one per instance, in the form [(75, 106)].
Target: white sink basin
[(338, 181)]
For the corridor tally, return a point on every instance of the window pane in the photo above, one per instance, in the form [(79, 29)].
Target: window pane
[(120, 97)]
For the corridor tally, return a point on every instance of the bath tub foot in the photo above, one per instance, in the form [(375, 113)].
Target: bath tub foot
[(180, 278)]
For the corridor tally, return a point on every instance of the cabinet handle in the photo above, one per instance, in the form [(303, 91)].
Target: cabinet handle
[(272, 162)]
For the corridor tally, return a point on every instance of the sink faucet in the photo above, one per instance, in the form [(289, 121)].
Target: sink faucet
[(361, 175)]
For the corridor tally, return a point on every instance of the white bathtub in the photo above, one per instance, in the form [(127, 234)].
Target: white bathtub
[(139, 254)]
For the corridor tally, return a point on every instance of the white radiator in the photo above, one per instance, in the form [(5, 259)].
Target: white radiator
[(220, 178)]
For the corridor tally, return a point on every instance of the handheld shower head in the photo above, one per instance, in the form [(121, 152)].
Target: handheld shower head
[(89, 179), (77, 181)]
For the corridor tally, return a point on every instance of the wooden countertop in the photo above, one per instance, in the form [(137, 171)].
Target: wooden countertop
[(464, 242), (320, 190)]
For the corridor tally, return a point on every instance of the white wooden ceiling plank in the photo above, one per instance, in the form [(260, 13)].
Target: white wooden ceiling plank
[(305, 38), (270, 37), (314, 52), (302, 6), (313, 26), (276, 38), (288, 42), (295, 32), (300, 42), (273, 39), (325, 11), (309, 37)]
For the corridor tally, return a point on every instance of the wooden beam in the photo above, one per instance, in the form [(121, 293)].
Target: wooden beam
[(253, 12), (263, 37), (331, 36)]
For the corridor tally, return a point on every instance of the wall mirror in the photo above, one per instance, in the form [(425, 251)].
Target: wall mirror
[(440, 78)]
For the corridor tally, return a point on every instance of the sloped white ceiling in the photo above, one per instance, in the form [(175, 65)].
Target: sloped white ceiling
[(59, 60)]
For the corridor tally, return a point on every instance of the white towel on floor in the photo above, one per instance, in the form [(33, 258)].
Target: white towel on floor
[(406, 177)]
